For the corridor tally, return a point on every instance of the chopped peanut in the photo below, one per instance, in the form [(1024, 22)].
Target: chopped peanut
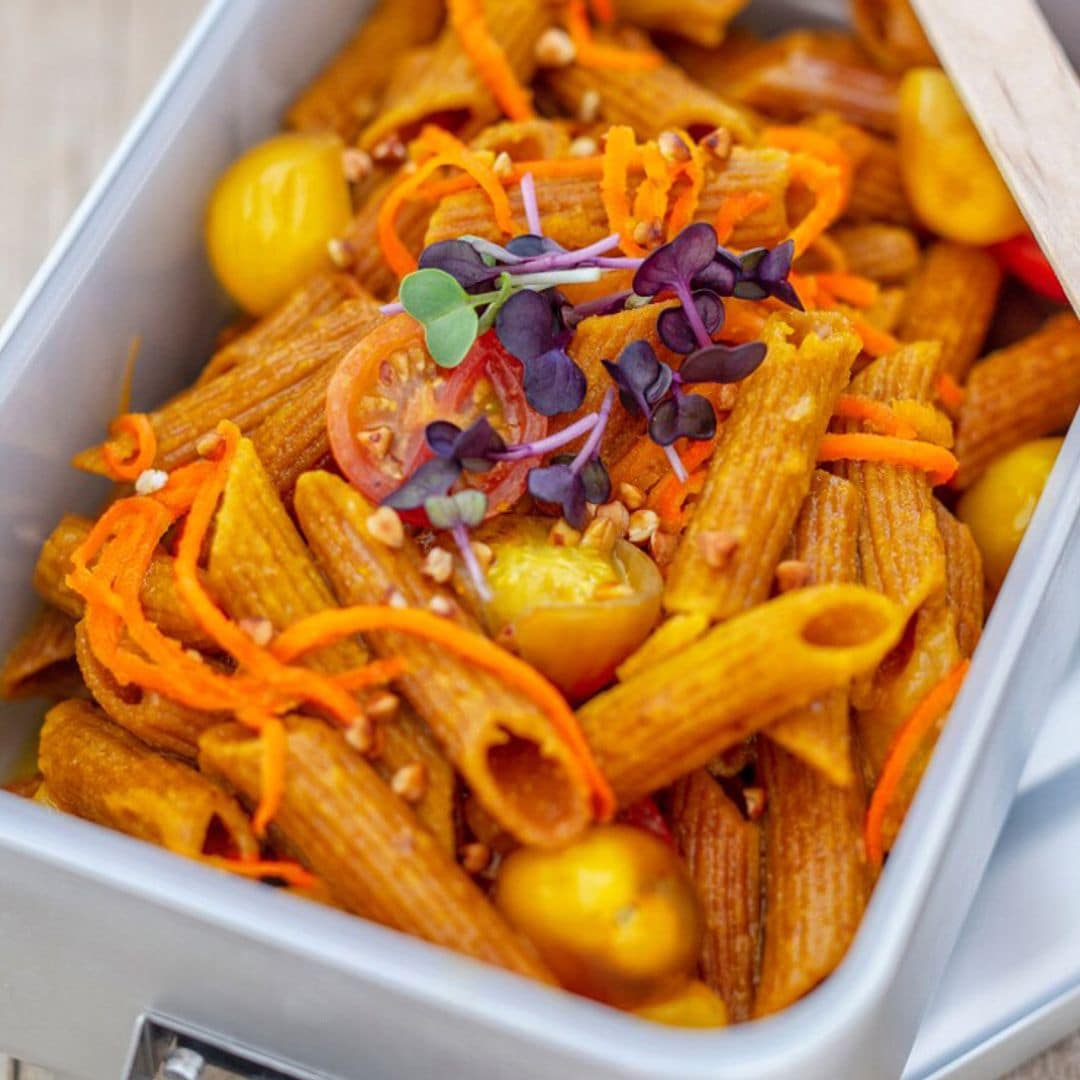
[(563, 534), (672, 148), (261, 631), (717, 547), (755, 802), (441, 605), (151, 480), (475, 858), (207, 444), (554, 49), (438, 565), (643, 523), (359, 734), (589, 107), (390, 151), (503, 166), (357, 164), (600, 535), (584, 146), (410, 782), (792, 574), (632, 497), (617, 514), (718, 143), (382, 706), (340, 252), (385, 526)]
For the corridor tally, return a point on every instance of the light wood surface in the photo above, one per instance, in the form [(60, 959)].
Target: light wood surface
[(72, 75)]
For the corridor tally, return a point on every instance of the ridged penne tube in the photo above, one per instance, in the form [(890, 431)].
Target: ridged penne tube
[(40, 664), (159, 598), (816, 877), (797, 75), (447, 89), (502, 744), (338, 818), (345, 94), (260, 568), (660, 99), (703, 21), (723, 853), (1022, 392), (900, 548), (316, 297), (761, 470), (890, 32), (825, 540), (96, 770), (160, 723), (884, 253), (572, 208), (526, 140), (952, 300), (965, 589), (247, 395), (669, 719)]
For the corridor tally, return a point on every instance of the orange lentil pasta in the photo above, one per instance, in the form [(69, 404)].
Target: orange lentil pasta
[(571, 552)]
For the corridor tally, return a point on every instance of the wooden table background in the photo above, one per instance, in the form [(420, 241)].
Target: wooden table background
[(72, 75)]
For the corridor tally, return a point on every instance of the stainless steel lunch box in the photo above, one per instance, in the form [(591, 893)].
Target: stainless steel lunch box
[(98, 930)]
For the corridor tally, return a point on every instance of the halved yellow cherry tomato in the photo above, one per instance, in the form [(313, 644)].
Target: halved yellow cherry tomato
[(695, 1006), (614, 915), (999, 505), (951, 179), (272, 215), (573, 612)]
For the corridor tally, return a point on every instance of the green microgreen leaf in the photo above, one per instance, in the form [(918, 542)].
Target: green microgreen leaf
[(446, 312), (506, 288)]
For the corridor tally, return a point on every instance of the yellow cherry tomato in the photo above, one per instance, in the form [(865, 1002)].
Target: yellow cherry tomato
[(571, 611), (272, 215), (695, 1006), (951, 179), (614, 914), (999, 505)]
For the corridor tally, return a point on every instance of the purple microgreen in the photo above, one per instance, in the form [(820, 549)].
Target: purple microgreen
[(641, 378), (457, 514), (531, 246), (553, 383), (491, 252), (476, 448), (532, 208), (688, 416), (720, 276), (552, 442), (722, 363), (527, 325), (434, 478), (460, 260), (602, 305), (674, 327), (675, 264)]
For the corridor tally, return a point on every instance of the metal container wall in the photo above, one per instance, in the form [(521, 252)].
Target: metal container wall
[(96, 929)]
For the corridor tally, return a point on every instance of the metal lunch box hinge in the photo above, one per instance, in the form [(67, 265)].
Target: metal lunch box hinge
[(167, 1049)]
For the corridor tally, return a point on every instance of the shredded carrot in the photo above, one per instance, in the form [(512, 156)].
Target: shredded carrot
[(591, 54), (912, 454), (950, 392), (333, 625), (905, 744), (136, 426), (852, 289), (686, 204), (650, 203), (129, 375), (620, 150), (275, 752), (291, 873), (877, 413), (668, 498), (875, 342), (398, 257), (735, 209), (827, 184), (469, 21), (376, 673), (816, 144)]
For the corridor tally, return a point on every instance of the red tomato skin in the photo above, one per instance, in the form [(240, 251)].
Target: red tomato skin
[(645, 815), (1022, 257)]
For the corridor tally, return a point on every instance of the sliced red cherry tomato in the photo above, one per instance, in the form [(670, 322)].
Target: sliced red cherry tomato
[(1022, 257), (387, 390), (645, 814)]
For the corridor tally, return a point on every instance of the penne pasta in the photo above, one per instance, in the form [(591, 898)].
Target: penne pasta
[(260, 570), (891, 33), (952, 300), (723, 853), (762, 468), (667, 720), (346, 93), (1021, 392), (884, 253), (965, 590), (343, 822), (41, 664), (492, 733), (97, 771), (816, 877), (702, 21)]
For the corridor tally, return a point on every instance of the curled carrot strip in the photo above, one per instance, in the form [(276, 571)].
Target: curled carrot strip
[(888, 449), (798, 140), (650, 203), (620, 151), (469, 21), (291, 873), (827, 185), (376, 673), (668, 498), (735, 209), (330, 626), (686, 204), (905, 744), (949, 392), (858, 407), (275, 752), (591, 54), (852, 289), (398, 257), (136, 426), (875, 342)]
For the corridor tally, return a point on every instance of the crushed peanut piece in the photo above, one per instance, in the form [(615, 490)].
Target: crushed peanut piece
[(617, 514), (382, 705), (662, 547), (410, 782), (717, 547), (390, 151), (633, 498), (475, 858), (441, 605), (503, 166), (649, 233), (261, 631), (385, 526), (672, 148), (359, 734), (718, 143), (554, 49), (357, 164), (484, 555), (151, 480), (755, 802), (438, 565), (340, 252), (207, 444), (194, 654), (589, 107), (584, 146), (792, 574), (643, 523), (395, 598), (563, 534), (600, 535)]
